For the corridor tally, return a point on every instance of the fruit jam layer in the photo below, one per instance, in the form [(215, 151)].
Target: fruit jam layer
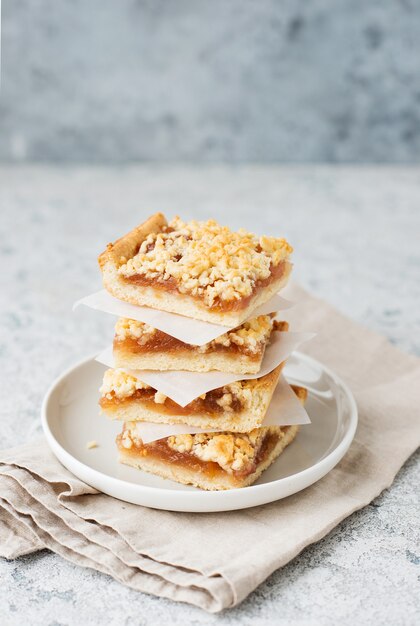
[(202, 406), (171, 286), (161, 342), (161, 451)]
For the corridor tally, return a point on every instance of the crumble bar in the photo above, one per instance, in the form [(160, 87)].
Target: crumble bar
[(239, 351), (197, 269), (211, 461), (239, 406)]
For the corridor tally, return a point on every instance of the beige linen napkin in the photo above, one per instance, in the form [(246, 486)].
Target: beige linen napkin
[(215, 560)]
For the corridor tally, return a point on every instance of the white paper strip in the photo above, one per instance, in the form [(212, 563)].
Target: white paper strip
[(183, 387), (185, 329), (285, 410)]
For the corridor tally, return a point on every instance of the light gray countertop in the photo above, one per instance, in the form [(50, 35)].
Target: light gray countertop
[(356, 233)]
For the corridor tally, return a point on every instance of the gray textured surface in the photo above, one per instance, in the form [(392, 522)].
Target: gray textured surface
[(233, 80), (356, 236)]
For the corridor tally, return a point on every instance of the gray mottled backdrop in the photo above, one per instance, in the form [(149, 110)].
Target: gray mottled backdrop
[(232, 80)]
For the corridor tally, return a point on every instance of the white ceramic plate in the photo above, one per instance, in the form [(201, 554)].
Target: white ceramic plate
[(70, 418)]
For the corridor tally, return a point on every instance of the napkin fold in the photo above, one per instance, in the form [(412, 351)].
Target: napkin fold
[(215, 560)]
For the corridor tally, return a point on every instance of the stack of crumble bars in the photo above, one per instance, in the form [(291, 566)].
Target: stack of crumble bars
[(207, 272)]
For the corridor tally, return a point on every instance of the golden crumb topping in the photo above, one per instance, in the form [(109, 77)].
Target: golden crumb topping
[(207, 260), (119, 384), (132, 329), (240, 390), (250, 335), (232, 452)]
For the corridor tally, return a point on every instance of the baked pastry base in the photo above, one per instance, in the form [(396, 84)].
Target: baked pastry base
[(169, 300), (220, 479), (231, 362)]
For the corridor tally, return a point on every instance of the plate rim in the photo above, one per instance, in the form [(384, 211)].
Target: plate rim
[(215, 498)]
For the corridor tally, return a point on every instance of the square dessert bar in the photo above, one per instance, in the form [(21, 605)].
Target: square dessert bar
[(240, 351), (197, 269), (239, 406), (211, 461)]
